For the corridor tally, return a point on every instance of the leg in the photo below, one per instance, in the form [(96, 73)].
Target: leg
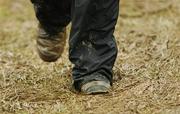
[(92, 46), (53, 17)]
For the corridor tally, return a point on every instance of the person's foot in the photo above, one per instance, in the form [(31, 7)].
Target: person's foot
[(95, 87), (50, 47)]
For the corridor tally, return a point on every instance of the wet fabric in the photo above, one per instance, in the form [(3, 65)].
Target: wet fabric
[(92, 46)]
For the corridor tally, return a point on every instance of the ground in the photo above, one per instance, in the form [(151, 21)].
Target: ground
[(146, 73)]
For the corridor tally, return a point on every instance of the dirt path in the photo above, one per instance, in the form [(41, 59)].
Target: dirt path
[(146, 74)]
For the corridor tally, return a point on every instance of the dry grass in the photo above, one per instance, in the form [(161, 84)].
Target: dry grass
[(146, 74)]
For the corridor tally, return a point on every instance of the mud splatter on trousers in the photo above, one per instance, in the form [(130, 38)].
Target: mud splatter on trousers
[(92, 45)]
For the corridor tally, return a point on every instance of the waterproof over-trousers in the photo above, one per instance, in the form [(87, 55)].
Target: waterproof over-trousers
[(92, 47)]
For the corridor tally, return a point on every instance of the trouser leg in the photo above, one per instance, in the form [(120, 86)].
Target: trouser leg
[(92, 45), (53, 15)]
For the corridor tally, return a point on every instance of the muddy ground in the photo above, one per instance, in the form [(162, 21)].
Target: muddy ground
[(146, 73)]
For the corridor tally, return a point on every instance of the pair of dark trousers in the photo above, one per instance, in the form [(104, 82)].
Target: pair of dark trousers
[(92, 47)]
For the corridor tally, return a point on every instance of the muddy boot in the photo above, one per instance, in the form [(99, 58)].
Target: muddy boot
[(50, 47), (95, 87)]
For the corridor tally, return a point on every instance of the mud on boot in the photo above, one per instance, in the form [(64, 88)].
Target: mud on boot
[(50, 47), (95, 87)]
